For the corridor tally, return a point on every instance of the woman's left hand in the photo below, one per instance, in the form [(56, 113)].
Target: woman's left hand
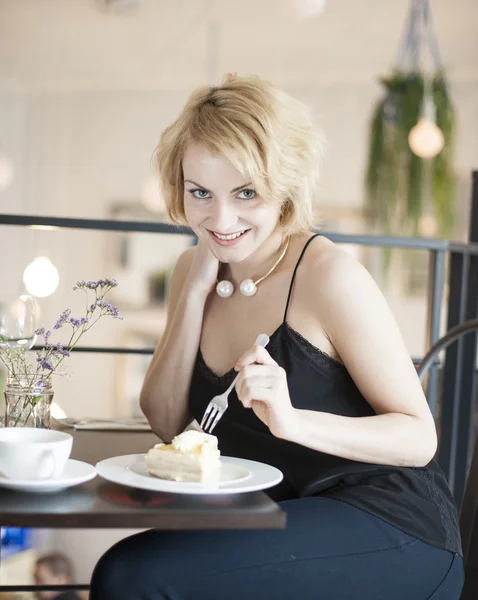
[(262, 386)]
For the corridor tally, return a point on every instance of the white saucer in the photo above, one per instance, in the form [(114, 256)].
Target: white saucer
[(75, 472), (238, 475)]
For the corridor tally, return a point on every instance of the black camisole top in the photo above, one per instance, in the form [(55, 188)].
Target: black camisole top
[(417, 500)]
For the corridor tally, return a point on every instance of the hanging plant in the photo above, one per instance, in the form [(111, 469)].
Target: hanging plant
[(401, 186), (395, 179)]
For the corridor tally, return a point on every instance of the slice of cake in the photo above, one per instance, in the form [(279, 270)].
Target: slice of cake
[(191, 456)]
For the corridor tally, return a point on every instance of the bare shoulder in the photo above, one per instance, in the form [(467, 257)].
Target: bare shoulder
[(334, 275), (327, 260)]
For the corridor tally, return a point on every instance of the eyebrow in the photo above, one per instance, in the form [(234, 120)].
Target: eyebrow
[(233, 191)]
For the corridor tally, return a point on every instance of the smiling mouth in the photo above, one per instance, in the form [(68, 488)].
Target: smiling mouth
[(229, 236)]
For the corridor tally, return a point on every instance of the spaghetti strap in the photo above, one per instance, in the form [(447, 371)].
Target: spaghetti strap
[(293, 275)]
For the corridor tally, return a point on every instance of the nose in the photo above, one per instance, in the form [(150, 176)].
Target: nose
[(223, 217)]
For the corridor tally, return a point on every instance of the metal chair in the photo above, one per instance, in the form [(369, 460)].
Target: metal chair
[(469, 505)]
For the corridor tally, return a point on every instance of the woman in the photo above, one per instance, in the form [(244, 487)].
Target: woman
[(333, 401)]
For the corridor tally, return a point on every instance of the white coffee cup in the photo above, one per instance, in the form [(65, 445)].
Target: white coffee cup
[(28, 453)]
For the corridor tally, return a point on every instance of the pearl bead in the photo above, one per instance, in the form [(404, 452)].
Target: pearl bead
[(224, 288), (248, 287)]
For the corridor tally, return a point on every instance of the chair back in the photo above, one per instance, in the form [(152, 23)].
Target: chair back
[(469, 505)]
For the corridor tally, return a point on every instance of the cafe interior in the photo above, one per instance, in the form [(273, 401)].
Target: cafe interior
[(86, 88)]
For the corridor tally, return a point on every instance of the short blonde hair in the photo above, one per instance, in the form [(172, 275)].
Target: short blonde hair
[(266, 134)]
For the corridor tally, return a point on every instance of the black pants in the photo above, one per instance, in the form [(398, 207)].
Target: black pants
[(328, 551)]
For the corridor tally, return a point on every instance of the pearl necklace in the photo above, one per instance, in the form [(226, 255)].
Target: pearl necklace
[(248, 287)]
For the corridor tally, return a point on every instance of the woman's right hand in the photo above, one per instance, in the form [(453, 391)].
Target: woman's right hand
[(204, 268)]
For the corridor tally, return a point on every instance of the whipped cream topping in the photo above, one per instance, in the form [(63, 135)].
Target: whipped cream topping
[(190, 441)]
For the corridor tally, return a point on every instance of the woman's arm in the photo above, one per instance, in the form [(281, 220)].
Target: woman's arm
[(362, 329), (358, 322), (164, 396)]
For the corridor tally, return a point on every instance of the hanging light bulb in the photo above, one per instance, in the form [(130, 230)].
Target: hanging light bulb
[(41, 277), (6, 172), (427, 225), (426, 138), (302, 9)]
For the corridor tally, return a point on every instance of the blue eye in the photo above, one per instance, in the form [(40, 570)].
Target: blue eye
[(199, 193), (247, 194)]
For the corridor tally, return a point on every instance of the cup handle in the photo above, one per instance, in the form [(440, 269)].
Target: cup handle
[(47, 465)]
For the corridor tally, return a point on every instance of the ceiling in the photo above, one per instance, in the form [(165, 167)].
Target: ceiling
[(65, 45)]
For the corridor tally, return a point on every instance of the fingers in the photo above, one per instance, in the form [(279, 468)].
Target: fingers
[(259, 382), (260, 377), (244, 386), (256, 354), (258, 370), (250, 393)]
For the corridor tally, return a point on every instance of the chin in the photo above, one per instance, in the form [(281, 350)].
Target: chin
[(231, 256)]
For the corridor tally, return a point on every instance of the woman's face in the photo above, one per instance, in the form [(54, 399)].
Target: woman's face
[(223, 208)]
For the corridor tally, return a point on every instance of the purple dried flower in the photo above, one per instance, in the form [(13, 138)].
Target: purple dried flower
[(78, 322), (46, 338), (63, 318), (109, 309), (45, 364), (114, 312), (62, 350), (51, 356)]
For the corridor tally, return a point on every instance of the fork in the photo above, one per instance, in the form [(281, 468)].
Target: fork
[(218, 405)]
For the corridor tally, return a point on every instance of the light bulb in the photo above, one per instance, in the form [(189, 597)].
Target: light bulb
[(427, 226), (302, 9), (6, 172), (41, 277), (426, 139)]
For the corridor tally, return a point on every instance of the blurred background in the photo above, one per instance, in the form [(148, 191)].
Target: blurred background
[(87, 86)]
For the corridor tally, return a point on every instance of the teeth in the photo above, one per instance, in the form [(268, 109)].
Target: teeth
[(233, 236)]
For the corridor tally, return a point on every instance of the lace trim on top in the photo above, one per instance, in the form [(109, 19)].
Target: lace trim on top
[(314, 355), (209, 373), (439, 501)]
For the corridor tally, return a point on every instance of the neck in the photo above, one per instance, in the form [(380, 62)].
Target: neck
[(258, 263)]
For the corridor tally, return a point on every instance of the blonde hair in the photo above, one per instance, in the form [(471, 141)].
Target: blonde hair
[(266, 134)]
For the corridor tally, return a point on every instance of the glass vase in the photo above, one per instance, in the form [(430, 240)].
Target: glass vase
[(27, 403)]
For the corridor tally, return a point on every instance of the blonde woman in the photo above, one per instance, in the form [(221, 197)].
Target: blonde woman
[(333, 401)]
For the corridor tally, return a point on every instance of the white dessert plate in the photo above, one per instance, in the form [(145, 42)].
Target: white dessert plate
[(75, 472), (238, 475)]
